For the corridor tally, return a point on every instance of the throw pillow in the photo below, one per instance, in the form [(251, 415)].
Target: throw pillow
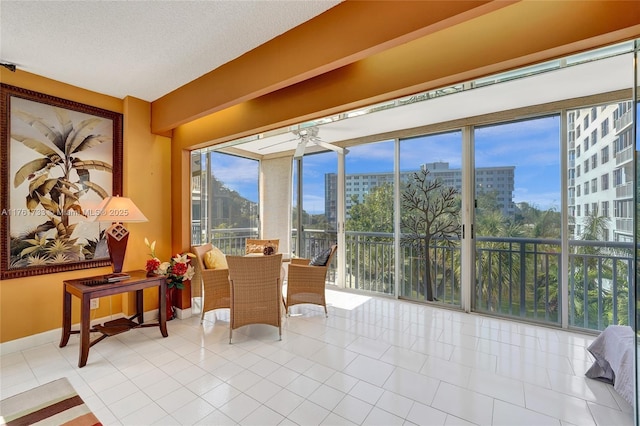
[(215, 259), (254, 248), (321, 258), (268, 250)]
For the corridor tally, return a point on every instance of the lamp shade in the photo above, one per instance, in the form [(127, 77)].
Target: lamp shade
[(119, 209)]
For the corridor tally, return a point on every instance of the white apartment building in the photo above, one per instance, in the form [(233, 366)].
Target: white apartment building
[(601, 169), (488, 179)]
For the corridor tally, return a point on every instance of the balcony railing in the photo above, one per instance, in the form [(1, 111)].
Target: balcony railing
[(623, 121), (625, 155), (515, 277), (230, 241), (625, 190)]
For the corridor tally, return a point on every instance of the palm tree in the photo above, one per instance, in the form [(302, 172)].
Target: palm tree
[(58, 179)]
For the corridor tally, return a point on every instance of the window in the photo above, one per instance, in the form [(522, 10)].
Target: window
[(585, 123), (594, 113), (585, 188), (604, 128), (617, 177), (594, 161), (604, 182), (586, 209), (605, 208), (578, 210), (594, 208), (222, 198), (594, 137), (578, 170), (585, 144), (578, 191), (586, 165), (578, 151), (604, 155), (594, 185)]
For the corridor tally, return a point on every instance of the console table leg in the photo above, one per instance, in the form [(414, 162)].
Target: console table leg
[(66, 317), (84, 330), (162, 315)]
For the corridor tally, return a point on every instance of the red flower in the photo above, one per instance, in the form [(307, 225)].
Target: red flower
[(179, 269), (152, 265)]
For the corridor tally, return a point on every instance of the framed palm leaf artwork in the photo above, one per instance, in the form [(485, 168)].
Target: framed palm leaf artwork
[(58, 160)]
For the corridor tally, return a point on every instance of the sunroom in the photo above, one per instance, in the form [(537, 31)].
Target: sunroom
[(510, 196), (537, 165)]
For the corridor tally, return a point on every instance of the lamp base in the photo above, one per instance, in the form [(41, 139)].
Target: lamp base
[(117, 237)]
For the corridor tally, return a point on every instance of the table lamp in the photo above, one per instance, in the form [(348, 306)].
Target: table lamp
[(118, 210)]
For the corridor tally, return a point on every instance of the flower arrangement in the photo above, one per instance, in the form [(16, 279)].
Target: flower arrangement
[(177, 270)]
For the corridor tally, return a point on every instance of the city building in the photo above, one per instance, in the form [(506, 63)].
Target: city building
[(499, 180), (600, 174)]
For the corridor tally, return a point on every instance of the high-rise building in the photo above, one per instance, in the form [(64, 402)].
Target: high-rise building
[(600, 175), (499, 180)]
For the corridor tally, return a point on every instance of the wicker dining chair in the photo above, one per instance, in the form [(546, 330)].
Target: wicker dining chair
[(253, 246), (306, 283), (215, 290), (256, 291)]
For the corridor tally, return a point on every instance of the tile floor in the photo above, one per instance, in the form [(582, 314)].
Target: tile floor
[(372, 362)]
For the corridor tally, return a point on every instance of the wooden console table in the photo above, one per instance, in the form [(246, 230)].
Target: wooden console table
[(137, 282)]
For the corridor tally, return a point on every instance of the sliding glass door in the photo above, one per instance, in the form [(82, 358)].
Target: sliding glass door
[(224, 203), (518, 219), (431, 177)]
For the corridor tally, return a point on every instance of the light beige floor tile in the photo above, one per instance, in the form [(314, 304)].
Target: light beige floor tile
[(353, 409), (370, 370), (506, 414), (463, 403)]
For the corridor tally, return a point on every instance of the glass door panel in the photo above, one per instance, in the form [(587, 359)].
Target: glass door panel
[(518, 219), (318, 204), (601, 216), (430, 200), (369, 195), (224, 202)]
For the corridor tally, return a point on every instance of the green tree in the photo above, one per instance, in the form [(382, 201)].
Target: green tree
[(375, 213), (430, 216)]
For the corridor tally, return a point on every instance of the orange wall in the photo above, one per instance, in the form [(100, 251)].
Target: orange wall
[(33, 305)]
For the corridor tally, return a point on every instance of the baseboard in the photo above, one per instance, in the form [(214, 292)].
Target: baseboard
[(53, 336), (183, 313)]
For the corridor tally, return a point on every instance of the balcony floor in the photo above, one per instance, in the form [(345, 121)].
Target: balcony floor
[(373, 361)]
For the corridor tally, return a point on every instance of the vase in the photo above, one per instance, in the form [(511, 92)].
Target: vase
[(170, 310)]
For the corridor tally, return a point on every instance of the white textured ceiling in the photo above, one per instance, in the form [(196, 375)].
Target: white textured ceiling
[(140, 48)]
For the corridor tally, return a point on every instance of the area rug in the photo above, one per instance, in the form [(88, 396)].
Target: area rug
[(54, 403)]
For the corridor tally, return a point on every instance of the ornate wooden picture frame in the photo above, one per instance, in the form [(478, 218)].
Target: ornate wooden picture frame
[(58, 160)]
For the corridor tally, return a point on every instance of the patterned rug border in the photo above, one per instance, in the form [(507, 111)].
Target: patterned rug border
[(52, 403)]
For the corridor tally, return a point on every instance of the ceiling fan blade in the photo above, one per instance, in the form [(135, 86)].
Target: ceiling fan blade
[(328, 146), (300, 149), (276, 143)]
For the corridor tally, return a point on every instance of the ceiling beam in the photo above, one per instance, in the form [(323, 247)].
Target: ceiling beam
[(518, 35), (346, 33)]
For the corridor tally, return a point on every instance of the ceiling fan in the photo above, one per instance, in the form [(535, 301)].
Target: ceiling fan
[(305, 137)]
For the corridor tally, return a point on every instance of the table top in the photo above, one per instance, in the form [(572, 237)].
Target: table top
[(138, 279)]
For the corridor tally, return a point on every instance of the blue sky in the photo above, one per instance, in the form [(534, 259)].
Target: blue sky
[(532, 146)]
